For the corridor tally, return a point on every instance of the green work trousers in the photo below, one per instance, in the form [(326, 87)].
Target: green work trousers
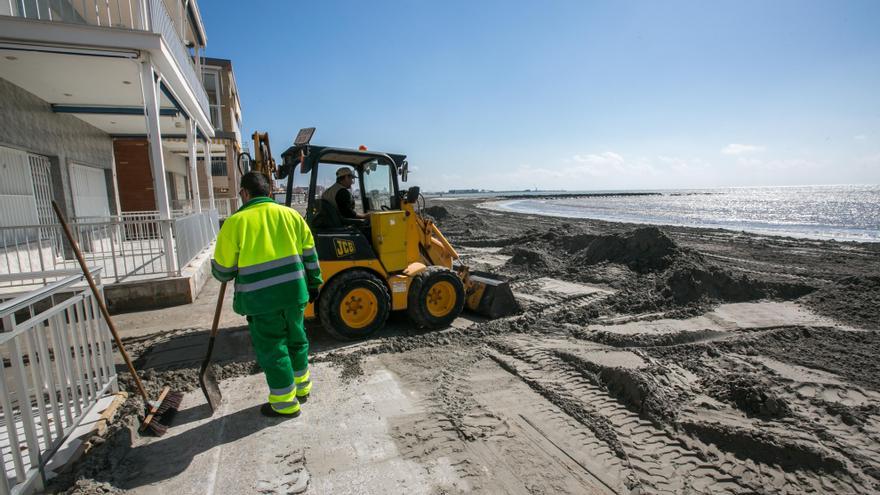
[(280, 343)]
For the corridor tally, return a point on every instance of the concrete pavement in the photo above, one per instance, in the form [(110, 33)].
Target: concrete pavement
[(341, 443)]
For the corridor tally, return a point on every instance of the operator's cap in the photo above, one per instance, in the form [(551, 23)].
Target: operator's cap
[(343, 171)]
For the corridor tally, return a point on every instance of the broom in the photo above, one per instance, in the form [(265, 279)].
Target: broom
[(158, 413)]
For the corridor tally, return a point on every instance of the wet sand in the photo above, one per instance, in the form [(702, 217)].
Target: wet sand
[(645, 360)]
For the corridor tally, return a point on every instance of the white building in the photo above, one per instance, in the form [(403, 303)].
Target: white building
[(79, 78)]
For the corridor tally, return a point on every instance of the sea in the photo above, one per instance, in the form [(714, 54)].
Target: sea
[(839, 212)]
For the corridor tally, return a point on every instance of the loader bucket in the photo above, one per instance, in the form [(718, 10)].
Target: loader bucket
[(489, 296)]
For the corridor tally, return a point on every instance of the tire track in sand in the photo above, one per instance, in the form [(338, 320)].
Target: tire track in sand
[(488, 432), (662, 463)]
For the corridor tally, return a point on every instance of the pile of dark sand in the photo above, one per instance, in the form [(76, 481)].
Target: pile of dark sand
[(530, 260), (646, 249), (666, 276), (748, 392), (853, 300), (615, 339), (436, 212), (98, 470)]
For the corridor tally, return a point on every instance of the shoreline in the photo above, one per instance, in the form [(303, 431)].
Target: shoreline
[(495, 204)]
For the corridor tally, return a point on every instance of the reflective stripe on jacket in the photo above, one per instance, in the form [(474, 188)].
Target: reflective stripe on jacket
[(269, 250)]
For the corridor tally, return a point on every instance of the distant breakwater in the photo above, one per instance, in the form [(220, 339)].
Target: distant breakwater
[(576, 195)]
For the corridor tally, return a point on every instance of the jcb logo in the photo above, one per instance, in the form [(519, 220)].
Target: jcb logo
[(344, 247)]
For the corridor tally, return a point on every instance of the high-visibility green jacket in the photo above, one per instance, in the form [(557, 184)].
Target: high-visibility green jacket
[(270, 252)]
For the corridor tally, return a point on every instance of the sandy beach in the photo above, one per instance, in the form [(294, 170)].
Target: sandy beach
[(644, 360)]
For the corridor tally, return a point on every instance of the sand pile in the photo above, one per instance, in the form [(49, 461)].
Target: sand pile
[(666, 275), (574, 243), (474, 221), (615, 339), (693, 280), (853, 300), (530, 260), (643, 250), (436, 212), (748, 393), (96, 472)]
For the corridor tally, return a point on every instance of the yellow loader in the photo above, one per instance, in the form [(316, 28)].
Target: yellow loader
[(394, 260)]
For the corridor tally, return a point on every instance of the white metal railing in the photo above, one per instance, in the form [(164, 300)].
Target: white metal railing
[(127, 247), (127, 14), (162, 24), (140, 15), (123, 247), (57, 364), (193, 233), (225, 206)]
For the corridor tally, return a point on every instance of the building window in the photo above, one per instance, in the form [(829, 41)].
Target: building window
[(212, 88), (218, 166)]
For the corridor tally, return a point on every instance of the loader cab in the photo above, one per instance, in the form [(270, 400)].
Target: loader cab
[(375, 192), (375, 189)]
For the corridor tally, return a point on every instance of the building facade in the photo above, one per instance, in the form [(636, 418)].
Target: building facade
[(225, 108), (104, 111)]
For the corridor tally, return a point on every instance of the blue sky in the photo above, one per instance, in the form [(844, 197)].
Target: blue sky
[(570, 95)]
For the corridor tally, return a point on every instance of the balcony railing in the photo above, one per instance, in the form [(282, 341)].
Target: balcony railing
[(125, 14), (139, 15), (163, 25)]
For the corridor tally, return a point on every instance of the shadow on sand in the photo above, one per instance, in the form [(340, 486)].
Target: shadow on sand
[(167, 457)]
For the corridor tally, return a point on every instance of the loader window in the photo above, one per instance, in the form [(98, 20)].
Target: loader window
[(378, 186), (327, 177)]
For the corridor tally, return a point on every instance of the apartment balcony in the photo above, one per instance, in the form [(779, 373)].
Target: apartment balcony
[(84, 56)]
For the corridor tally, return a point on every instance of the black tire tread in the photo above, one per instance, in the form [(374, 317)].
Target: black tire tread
[(334, 288), (416, 310)]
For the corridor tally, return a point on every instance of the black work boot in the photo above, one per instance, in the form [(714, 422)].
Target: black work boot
[(266, 410)]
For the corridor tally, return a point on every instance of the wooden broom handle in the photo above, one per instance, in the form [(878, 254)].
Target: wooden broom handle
[(97, 294)]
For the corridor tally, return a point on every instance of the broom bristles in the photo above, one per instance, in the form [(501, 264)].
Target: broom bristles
[(157, 421)]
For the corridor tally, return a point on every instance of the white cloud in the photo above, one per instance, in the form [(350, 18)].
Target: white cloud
[(860, 137), (606, 158), (741, 149), (605, 164), (681, 165)]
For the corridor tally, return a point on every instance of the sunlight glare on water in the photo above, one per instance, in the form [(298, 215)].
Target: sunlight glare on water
[(844, 212)]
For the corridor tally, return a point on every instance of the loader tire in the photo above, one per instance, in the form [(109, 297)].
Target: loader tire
[(436, 297), (354, 305)]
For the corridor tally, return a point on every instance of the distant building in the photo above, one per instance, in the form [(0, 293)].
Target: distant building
[(226, 116)]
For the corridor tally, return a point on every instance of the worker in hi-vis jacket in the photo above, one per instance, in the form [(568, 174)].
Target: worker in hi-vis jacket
[(270, 252)]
